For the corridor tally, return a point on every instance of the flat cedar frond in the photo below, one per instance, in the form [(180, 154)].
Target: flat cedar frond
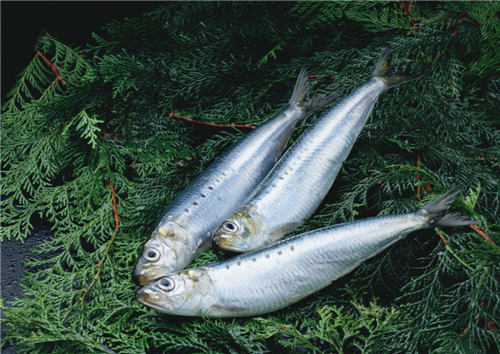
[(87, 144)]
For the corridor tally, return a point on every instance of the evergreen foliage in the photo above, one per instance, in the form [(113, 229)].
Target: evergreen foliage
[(67, 147)]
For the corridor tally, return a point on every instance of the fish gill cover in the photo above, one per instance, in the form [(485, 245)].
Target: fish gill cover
[(98, 141)]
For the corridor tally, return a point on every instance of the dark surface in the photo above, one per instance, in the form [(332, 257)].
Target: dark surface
[(73, 23), (12, 269)]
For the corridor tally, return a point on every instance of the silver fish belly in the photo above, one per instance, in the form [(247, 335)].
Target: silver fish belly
[(185, 227), (297, 185), (270, 279)]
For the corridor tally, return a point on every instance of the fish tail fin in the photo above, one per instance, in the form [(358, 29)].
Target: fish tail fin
[(435, 212), (382, 71), (301, 93)]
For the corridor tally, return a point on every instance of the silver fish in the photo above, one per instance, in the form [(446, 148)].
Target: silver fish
[(294, 189), (185, 227), (277, 276)]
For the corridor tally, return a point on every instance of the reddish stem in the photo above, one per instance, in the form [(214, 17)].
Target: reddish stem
[(442, 238), (106, 134), (99, 266), (316, 76), (491, 325), (482, 159), (407, 13), (482, 234), (52, 66), (478, 22), (114, 204), (417, 165), (212, 124)]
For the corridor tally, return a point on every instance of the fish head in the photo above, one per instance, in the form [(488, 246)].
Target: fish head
[(185, 293), (242, 231), (165, 252)]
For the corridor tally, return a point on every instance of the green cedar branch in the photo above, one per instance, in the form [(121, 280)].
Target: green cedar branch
[(417, 162), (453, 35)]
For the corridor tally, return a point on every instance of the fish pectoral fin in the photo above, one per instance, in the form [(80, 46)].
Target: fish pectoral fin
[(204, 246), (280, 232)]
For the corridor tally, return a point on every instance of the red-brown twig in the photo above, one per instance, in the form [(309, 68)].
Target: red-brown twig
[(466, 14), (407, 13), (466, 328), (481, 159), (453, 35), (115, 212), (212, 124), (482, 234), (106, 134), (417, 165), (316, 76), (442, 238), (490, 324), (117, 225), (462, 20), (52, 66)]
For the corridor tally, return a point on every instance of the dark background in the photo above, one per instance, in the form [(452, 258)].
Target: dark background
[(72, 23)]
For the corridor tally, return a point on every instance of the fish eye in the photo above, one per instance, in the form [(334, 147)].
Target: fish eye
[(230, 226), (151, 254), (166, 284)]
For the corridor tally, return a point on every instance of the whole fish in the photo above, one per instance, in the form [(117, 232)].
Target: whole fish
[(300, 181), (270, 279), (185, 227)]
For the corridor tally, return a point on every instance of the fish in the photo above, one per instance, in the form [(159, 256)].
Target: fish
[(299, 182), (184, 229), (267, 280)]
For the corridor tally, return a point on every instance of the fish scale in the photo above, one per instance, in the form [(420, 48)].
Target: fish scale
[(279, 275)]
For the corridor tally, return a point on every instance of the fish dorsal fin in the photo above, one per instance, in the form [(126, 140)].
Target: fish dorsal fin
[(383, 65), (382, 71)]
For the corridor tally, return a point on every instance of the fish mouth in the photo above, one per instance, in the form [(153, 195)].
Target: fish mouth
[(145, 297), (231, 243), (147, 275)]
